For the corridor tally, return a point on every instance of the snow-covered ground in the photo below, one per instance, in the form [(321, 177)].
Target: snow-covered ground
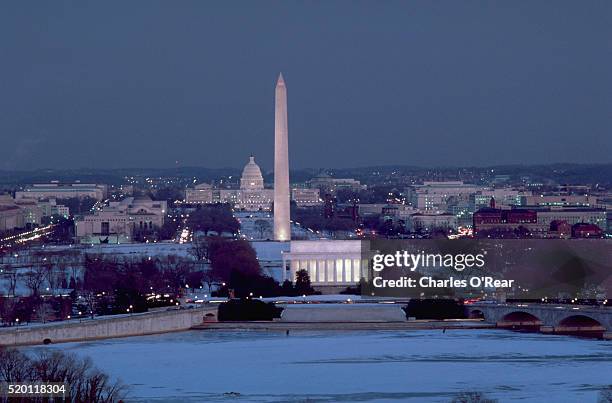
[(250, 231), (389, 366), (157, 249), (74, 257)]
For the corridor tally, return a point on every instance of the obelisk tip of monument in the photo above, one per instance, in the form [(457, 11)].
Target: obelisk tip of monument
[(281, 80)]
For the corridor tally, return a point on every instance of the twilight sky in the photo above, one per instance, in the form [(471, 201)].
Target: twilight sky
[(149, 83)]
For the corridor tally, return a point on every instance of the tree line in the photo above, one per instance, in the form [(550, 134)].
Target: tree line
[(134, 285), (217, 218), (83, 382)]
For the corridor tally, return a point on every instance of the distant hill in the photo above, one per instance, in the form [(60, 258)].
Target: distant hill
[(592, 174)]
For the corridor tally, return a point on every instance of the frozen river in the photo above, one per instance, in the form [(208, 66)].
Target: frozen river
[(389, 366)]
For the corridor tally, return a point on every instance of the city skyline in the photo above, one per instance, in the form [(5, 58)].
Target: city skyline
[(394, 80), (430, 205)]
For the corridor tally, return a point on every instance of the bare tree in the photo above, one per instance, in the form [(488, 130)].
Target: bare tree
[(75, 274), (262, 226), (34, 279), (90, 299), (8, 310), (51, 275), (9, 273), (60, 277), (210, 278), (55, 265), (43, 309), (85, 382), (174, 270), (200, 248), (14, 366)]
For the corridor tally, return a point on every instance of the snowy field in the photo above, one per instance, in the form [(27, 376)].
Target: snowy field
[(73, 264), (249, 230), (415, 366)]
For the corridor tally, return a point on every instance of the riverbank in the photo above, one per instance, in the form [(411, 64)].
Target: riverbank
[(107, 327)]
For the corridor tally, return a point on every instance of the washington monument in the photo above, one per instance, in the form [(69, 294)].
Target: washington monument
[(282, 229)]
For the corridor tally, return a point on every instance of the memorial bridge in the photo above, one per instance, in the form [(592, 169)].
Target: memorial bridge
[(579, 320)]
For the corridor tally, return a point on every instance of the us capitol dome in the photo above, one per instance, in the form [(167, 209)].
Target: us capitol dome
[(251, 176)]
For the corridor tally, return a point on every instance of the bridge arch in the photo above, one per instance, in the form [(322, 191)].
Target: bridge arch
[(580, 325), (476, 314), (520, 321), (580, 321), (521, 316)]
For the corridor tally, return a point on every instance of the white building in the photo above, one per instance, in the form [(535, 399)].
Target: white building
[(26, 212), (433, 197), (50, 207), (559, 200), (62, 191), (200, 194), (371, 209), (329, 184), (330, 264), (431, 222), (571, 215), (122, 221), (31, 210), (306, 197), (397, 212), (251, 178), (252, 196), (11, 215)]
